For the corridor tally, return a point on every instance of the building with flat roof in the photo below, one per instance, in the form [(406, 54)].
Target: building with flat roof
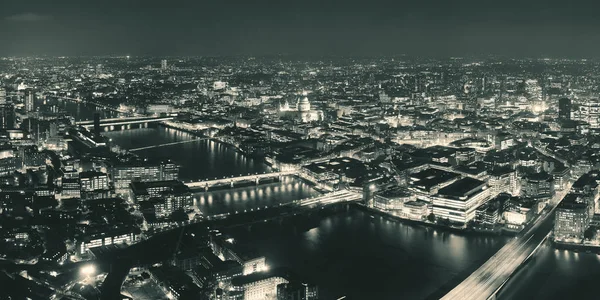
[(457, 202), (572, 218), (139, 191), (262, 285), (392, 199), (427, 182)]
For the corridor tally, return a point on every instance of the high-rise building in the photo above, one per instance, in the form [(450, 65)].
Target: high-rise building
[(163, 64), (29, 100), (7, 116), (96, 124), (564, 108), (2, 96), (572, 218), (590, 112)]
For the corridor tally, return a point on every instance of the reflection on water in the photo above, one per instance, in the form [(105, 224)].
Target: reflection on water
[(78, 110), (208, 159), (199, 160), (556, 274), (287, 190), (363, 258)]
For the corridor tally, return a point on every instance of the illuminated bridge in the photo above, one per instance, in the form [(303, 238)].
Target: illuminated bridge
[(488, 280), (124, 123), (262, 214), (242, 178), (167, 144)]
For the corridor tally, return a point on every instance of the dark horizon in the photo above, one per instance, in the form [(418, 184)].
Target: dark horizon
[(345, 28)]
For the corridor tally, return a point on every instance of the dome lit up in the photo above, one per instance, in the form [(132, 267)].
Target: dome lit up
[(303, 104)]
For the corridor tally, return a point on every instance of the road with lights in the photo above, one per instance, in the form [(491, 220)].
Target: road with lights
[(486, 281)]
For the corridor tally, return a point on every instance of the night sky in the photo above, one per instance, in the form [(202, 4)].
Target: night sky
[(568, 28)]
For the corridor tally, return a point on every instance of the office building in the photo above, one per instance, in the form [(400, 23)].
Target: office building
[(124, 173), (260, 286), (538, 186), (93, 181), (7, 116), (457, 202), (2, 96), (29, 100), (572, 218), (564, 109)]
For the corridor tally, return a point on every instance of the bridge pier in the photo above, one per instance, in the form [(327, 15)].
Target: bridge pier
[(231, 184), (206, 188), (256, 180)]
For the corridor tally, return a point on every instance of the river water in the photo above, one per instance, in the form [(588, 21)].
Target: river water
[(352, 254)]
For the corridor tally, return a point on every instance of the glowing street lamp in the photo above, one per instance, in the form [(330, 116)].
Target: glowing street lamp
[(87, 270)]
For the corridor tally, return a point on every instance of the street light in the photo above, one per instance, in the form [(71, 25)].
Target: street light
[(87, 270)]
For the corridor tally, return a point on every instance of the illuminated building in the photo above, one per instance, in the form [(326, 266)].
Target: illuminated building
[(415, 210), (517, 212), (457, 202), (488, 214), (126, 172), (29, 100), (392, 199), (538, 186), (260, 286), (572, 218), (7, 116), (302, 112), (427, 182), (140, 191), (106, 236), (590, 112), (71, 188), (93, 181), (465, 156), (163, 64), (503, 180), (587, 186), (297, 291), (164, 206)]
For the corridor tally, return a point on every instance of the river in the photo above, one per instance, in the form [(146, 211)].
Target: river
[(555, 274), (352, 254)]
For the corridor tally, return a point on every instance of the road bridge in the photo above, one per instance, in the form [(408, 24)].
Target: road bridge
[(241, 178), (124, 123), (488, 279)]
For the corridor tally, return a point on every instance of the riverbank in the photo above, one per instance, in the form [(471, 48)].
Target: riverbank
[(576, 247), (446, 228)]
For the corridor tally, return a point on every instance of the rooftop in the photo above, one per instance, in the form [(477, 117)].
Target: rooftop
[(462, 188)]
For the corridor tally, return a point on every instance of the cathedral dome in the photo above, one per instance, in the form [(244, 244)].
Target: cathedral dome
[(303, 104)]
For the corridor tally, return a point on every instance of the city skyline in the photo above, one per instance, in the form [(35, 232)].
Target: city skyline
[(299, 150)]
